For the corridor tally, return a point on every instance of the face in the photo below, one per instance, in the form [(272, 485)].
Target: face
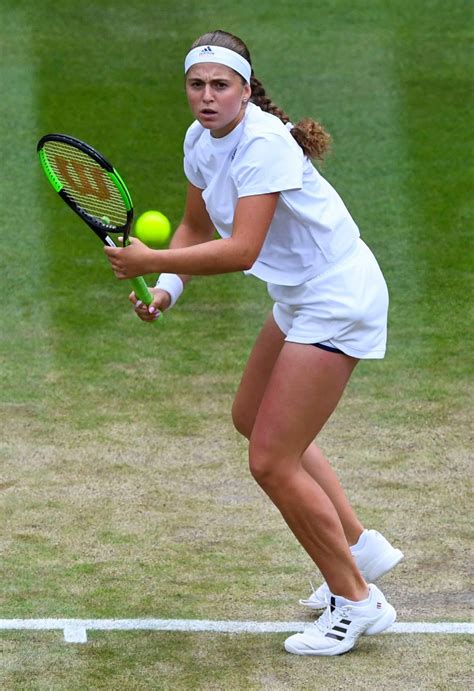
[(216, 97)]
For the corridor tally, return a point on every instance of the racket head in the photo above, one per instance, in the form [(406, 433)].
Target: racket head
[(88, 183)]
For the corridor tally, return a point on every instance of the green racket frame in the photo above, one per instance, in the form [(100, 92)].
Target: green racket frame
[(99, 226)]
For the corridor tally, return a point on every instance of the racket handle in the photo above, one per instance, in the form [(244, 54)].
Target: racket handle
[(140, 287), (141, 290)]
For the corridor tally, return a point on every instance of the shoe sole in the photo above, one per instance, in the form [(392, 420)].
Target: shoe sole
[(328, 653)]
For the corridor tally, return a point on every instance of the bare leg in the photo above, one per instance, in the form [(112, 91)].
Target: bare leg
[(304, 388), (317, 465), (247, 402)]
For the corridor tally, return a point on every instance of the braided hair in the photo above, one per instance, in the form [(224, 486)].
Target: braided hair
[(309, 134)]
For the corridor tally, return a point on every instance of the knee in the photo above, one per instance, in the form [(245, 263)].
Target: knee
[(242, 422), (266, 466), (260, 470)]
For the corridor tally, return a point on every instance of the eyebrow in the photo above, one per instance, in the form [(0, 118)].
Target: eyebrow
[(214, 79)]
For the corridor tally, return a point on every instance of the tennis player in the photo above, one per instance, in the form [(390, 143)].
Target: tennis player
[(250, 177)]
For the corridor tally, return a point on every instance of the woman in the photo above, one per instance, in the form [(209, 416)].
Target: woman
[(250, 177)]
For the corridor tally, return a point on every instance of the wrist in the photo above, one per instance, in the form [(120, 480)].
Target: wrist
[(172, 284)]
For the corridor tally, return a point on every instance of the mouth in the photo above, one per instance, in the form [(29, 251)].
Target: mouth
[(208, 112)]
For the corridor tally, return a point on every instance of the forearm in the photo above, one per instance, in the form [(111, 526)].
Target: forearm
[(203, 259), (185, 236)]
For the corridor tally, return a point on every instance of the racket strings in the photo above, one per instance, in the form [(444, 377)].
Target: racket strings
[(87, 183)]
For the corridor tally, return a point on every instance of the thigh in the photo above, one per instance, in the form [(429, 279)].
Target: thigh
[(305, 385), (256, 375)]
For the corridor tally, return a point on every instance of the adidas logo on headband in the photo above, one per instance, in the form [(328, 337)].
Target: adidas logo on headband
[(207, 51)]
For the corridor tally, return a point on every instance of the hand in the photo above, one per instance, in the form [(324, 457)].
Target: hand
[(130, 261), (161, 301)]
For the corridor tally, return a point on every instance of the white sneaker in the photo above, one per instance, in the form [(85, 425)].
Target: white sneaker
[(376, 558), (338, 628)]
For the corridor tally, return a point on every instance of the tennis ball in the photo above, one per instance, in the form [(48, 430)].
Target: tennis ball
[(153, 228)]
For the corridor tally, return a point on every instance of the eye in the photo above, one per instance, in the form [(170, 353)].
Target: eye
[(220, 85)]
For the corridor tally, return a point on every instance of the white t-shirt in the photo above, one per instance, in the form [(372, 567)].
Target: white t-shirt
[(311, 228)]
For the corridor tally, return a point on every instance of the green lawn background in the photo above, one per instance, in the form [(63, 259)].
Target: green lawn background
[(124, 488)]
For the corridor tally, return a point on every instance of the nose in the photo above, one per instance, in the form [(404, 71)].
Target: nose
[(207, 94)]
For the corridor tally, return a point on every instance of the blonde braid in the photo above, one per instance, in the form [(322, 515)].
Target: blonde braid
[(260, 98), (309, 134)]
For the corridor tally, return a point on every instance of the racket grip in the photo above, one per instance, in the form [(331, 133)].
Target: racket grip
[(141, 290), (140, 287)]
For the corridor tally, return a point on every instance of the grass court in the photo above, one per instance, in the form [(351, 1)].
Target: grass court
[(124, 488)]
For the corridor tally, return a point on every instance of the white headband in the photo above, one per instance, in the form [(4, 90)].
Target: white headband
[(223, 56)]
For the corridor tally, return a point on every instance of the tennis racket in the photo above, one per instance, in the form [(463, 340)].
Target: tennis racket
[(92, 187)]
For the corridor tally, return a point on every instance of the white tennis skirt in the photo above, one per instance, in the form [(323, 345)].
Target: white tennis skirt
[(345, 307)]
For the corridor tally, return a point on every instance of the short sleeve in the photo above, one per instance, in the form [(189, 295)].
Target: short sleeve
[(191, 169), (268, 163), (193, 175)]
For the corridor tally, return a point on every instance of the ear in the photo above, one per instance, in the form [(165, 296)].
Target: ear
[(246, 93)]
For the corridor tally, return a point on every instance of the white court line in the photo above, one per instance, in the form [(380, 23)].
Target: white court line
[(75, 630)]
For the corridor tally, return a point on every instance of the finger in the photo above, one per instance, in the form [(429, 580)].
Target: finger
[(146, 316), (141, 308), (114, 263), (134, 300)]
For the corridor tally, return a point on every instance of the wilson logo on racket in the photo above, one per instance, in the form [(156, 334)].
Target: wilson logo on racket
[(85, 180)]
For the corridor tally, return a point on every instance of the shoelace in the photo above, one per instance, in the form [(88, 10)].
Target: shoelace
[(331, 616), (315, 590)]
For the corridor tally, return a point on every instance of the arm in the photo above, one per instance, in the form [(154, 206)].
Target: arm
[(195, 228), (191, 256)]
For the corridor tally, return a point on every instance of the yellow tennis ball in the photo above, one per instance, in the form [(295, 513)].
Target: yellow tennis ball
[(153, 228)]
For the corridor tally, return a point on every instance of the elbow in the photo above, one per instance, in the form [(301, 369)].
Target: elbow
[(246, 259), (247, 264), (239, 256)]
